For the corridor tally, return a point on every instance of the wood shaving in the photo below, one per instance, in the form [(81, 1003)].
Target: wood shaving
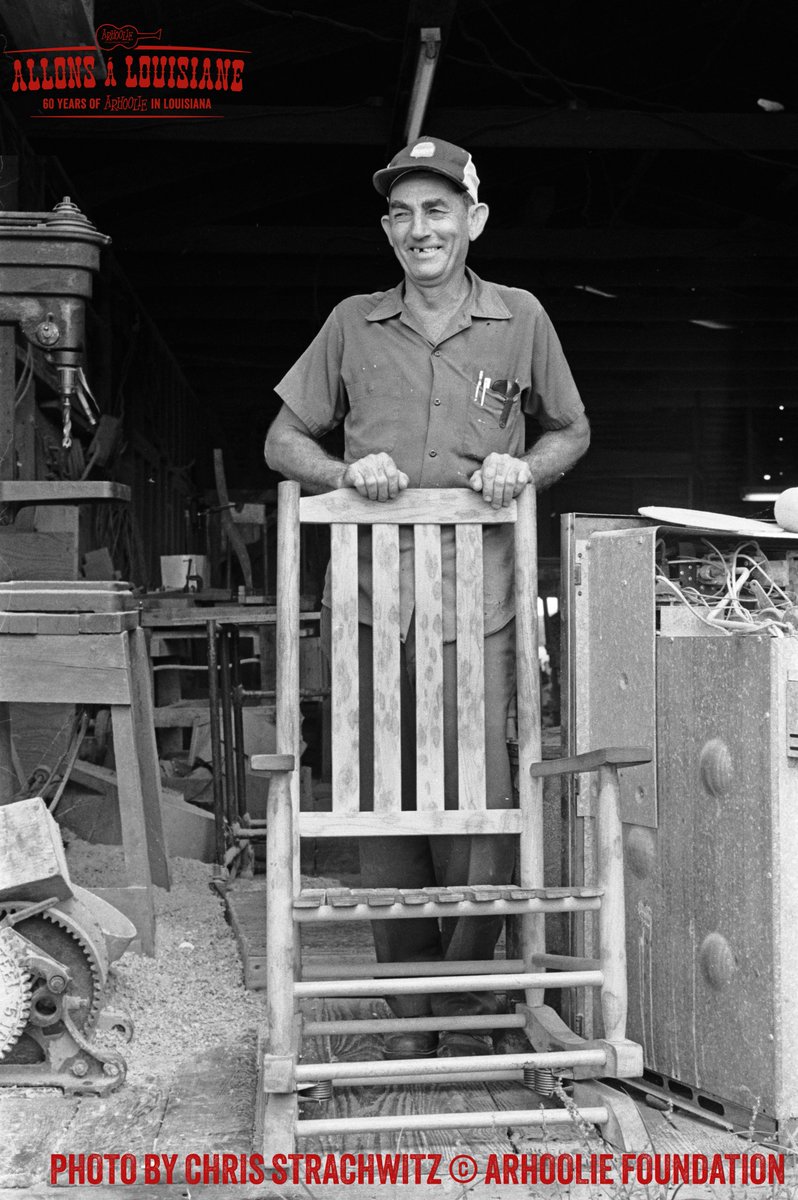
[(188, 998)]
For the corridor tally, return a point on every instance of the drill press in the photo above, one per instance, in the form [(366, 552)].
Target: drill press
[(47, 260)]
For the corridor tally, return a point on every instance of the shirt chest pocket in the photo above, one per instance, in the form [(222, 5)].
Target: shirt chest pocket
[(490, 425)]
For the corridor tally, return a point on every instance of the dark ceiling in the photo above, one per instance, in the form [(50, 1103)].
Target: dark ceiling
[(640, 161)]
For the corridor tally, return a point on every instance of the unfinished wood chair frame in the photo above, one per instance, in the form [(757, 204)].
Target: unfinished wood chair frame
[(281, 1076)]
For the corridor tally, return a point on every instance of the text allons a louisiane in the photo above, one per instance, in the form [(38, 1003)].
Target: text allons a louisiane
[(183, 72)]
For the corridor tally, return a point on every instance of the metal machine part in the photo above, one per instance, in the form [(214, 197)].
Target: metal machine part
[(48, 260), (54, 960), (15, 995)]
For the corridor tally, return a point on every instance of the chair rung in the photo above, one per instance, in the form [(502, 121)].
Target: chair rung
[(421, 985), (557, 1060), (501, 1118)]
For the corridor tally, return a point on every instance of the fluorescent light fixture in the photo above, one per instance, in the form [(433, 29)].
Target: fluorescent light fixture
[(422, 82), (761, 496), (594, 291)]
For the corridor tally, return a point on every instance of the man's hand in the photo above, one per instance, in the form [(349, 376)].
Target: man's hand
[(375, 477), (500, 479)]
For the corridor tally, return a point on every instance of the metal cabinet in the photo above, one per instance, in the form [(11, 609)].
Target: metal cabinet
[(711, 830)]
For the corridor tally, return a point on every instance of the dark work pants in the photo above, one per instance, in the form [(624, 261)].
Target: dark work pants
[(411, 862)]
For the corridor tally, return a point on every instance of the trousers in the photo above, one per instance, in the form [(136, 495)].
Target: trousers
[(411, 862)]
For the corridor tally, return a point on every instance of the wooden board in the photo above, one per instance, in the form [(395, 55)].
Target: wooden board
[(210, 1105), (127, 1120), (34, 1122), (57, 491), (36, 555), (69, 595), (94, 815), (32, 860)]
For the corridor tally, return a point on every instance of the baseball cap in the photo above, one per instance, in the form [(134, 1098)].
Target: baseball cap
[(430, 154)]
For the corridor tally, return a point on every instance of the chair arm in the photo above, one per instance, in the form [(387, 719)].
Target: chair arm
[(591, 760), (273, 763)]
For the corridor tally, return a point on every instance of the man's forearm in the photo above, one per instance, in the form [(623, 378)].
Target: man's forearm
[(555, 452), (301, 458)]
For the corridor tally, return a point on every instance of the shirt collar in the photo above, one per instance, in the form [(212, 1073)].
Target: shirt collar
[(484, 301)]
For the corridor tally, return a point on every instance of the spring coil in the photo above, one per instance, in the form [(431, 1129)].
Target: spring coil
[(541, 1079)]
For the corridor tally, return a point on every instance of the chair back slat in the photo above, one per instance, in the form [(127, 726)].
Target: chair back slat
[(429, 667), (344, 677), (386, 633), (470, 668)]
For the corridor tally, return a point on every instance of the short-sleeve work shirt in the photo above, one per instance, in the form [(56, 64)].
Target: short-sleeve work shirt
[(372, 367)]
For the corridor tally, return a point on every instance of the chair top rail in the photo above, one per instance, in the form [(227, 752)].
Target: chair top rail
[(416, 506)]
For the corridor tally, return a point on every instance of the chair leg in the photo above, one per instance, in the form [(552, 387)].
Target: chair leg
[(612, 920), (277, 1108), (532, 932)]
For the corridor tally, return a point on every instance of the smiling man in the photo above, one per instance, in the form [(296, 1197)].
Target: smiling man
[(432, 381)]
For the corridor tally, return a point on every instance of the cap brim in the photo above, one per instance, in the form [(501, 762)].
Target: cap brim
[(385, 179)]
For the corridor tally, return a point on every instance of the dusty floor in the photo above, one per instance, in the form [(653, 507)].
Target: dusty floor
[(190, 1085)]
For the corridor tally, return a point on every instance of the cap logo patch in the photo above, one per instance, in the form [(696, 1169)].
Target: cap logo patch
[(423, 150)]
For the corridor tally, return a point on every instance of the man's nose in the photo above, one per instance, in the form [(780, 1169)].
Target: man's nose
[(420, 225)]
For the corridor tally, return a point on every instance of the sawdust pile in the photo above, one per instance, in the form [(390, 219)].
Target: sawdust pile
[(190, 997)]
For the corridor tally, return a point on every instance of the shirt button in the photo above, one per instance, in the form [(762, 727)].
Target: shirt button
[(437, 353), (436, 400), (433, 453)]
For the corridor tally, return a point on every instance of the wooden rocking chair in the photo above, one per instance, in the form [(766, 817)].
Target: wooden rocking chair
[(282, 1076)]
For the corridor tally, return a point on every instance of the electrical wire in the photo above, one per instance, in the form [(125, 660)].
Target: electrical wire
[(769, 608)]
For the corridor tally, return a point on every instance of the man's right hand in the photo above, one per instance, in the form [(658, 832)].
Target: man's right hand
[(375, 477)]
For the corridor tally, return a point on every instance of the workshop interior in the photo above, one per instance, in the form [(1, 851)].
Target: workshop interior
[(162, 681)]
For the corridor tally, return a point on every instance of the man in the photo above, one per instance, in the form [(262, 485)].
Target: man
[(431, 381)]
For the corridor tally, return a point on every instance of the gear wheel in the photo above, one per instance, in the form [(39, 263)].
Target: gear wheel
[(15, 997), (68, 932)]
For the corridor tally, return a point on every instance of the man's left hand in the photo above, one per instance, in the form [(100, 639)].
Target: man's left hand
[(500, 479)]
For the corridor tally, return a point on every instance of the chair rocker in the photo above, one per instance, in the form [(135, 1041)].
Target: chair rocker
[(283, 1077)]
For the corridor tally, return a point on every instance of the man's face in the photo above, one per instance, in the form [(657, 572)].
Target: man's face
[(430, 227)]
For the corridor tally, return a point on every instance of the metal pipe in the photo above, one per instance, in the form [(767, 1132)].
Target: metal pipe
[(227, 724), (238, 722), (216, 744), (447, 983), (547, 1118), (413, 1024), (432, 1067), (432, 908)]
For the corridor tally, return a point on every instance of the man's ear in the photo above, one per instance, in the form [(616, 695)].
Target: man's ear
[(477, 219), (385, 221)]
